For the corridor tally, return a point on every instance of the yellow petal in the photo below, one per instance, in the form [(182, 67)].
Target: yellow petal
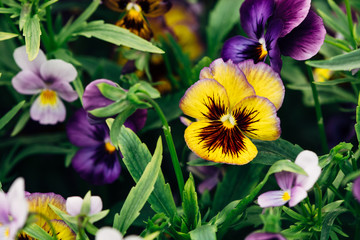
[(256, 118), (215, 142), (231, 77), (136, 23), (206, 99), (62, 230), (266, 82)]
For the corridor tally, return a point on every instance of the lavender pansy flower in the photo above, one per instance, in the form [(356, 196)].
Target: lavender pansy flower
[(74, 204), (13, 210), (292, 30), (356, 189), (48, 78), (265, 236), (106, 233), (293, 186)]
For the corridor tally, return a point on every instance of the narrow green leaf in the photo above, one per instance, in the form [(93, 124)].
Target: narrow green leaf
[(46, 4), (9, 11), (136, 156), (190, 203), (338, 81), (24, 15), (111, 92), (10, 114), (98, 216), (24, 118), (112, 109), (328, 222), (7, 35), (139, 194), (334, 24), (37, 232), (294, 214), (85, 206), (195, 72), (118, 123), (69, 220), (205, 232), (32, 34)]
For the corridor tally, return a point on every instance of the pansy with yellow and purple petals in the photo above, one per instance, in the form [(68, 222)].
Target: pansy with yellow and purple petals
[(49, 78), (135, 11), (231, 104), (292, 29), (293, 186)]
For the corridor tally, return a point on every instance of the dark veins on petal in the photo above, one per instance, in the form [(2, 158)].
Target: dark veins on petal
[(215, 109), (145, 5), (245, 118)]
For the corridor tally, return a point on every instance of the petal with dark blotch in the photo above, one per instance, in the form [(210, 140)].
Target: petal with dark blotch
[(291, 12), (92, 97), (154, 8), (304, 41), (135, 22), (271, 38), (27, 82), (254, 15), (57, 70)]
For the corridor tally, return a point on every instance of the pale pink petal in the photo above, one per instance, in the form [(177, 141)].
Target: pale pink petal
[(310, 163), (17, 190), (65, 91), (48, 114), (271, 199), (285, 180), (297, 195), (19, 210), (133, 237), (22, 60), (73, 205), (57, 70), (106, 233), (27, 82), (95, 205)]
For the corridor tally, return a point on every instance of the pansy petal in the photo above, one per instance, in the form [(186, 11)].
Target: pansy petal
[(356, 189), (239, 48), (48, 114), (135, 22), (271, 39), (304, 41), (137, 120), (272, 199), (27, 82), (73, 205), (57, 70), (205, 99), (214, 142), (116, 5), (65, 91), (208, 184), (96, 205), (297, 195), (265, 81), (231, 78), (154, 8), (22, 60), (92, 97), (256, 117), (254, 15), (291, 12), (62, 230), (309, 161), (265, 236), (17, 190), (285, 180), (106, 233)]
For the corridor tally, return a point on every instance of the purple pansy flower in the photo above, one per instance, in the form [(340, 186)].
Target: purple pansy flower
[(97, 160), (74, 204), (356, 189), (292, 29), (49, 78), (293, 186), (265, 236), (13, 210)]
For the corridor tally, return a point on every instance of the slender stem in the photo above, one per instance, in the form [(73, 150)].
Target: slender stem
[(350, 21), (50, 29), (319, 203), (319, 117), (170, 143), (337, 193)]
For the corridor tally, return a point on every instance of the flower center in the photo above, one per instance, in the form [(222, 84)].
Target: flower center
[(48, 97), (286, 196), (109, 147), (263, 50), (7, 232), (132, 5), (228, 121)]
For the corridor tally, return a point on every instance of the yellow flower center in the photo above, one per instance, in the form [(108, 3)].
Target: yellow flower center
[(228, 121), (286, 196), (48, 97), (132, 5), (263, 50), (7, 232), (109, 147)]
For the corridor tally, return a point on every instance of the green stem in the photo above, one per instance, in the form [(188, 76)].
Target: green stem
[(170, 143), (319, 117), (337, 193), (319, 202), (50, 28), (350, 21)]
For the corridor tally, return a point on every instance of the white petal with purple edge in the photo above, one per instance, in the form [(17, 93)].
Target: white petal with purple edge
[(106, 233), (95, 205), (22, 60), (73, 205), (58, 70), (309, 161), (271, 199), (297, 195), (65, 91), (48, 114), (27, 82)]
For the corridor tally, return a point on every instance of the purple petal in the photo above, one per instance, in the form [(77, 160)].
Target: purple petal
[(265, 236), (271, 199), (4, 208), (137, 120), (254, 15), (297, 195), (92, 97), (291, 12), (22, 60), (65, 91), (285, 180), (304, 41), (73, 205), (57, 70), (27, 82), (239, 48), (96, 165), (209, 183), (356, 189), (82, 134), (271, 38), (310, 163), (48, 114)]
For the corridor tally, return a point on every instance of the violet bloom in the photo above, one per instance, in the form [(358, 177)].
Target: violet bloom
[(265, 236), (293, 186), (292, 30), (48, 78), (74, 204), (356, 189), (13, 210)]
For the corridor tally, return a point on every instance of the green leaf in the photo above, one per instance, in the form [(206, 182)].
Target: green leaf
[(221, 20), (69, 220), (118, 123), (7, 35), (195, 72), (147, 88), (140, 193), (98, 216), (294, 214), (338, 81), (85, 206), (116, 35), (136, 156), (32, 34), (332, 206), (110, 110), (190, 203), (328, 222), (111, 92), (24, 118), (24, 15), (37, 232), (344, 62), (205, 232), (10, 114)]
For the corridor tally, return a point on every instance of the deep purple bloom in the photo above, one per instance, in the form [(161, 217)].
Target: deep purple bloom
[(293, 186), (292, 29), (356, 189), (265, 236), (48, 78)]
